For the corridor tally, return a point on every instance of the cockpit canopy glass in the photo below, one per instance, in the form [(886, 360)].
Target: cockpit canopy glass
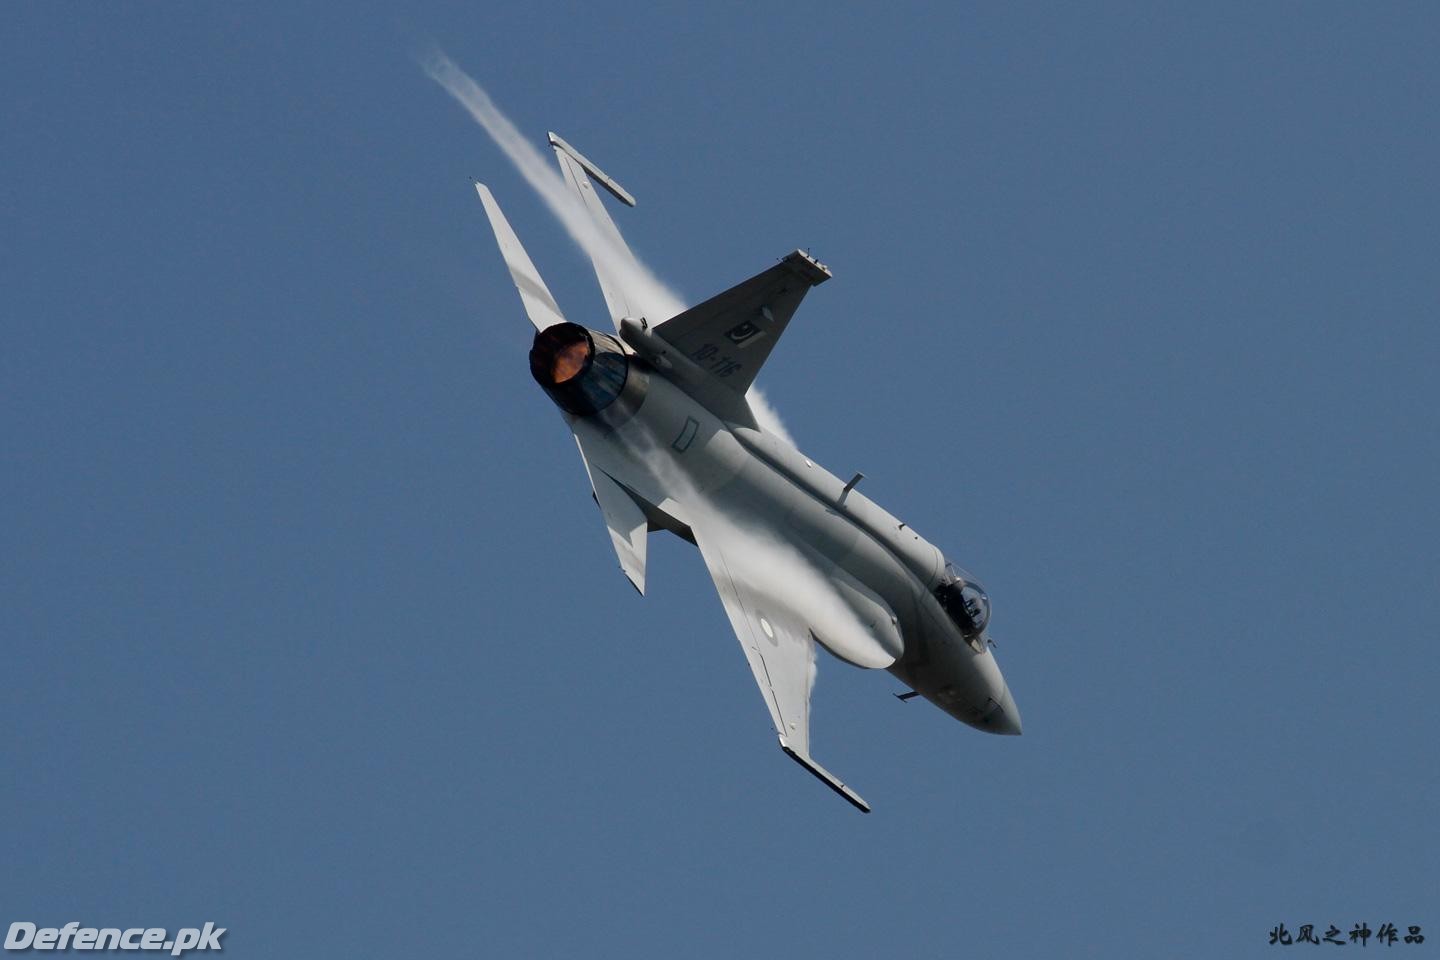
[(964, 600)]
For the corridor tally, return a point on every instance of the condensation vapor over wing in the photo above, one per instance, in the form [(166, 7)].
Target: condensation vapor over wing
[(656, 301)]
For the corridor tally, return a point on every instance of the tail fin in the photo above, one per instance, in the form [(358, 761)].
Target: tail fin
[(731, 335), (575, 167), (540, 306)]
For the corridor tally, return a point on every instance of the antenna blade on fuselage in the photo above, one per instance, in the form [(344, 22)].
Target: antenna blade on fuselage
[(540, 305)]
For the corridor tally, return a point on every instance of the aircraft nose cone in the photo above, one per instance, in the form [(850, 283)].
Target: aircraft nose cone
[(1007, 719)]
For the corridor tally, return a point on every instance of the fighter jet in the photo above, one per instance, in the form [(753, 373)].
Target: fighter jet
[(669, 440)]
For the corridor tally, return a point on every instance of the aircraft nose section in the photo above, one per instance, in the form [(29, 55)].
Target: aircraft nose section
[(993, 709), (1007, 718)]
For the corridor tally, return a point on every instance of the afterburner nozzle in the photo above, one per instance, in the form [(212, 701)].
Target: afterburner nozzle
[(584, 371)]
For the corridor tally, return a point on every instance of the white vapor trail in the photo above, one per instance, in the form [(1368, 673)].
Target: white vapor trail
[(773, 567), (641, 286), (766, 416), (656, 301)]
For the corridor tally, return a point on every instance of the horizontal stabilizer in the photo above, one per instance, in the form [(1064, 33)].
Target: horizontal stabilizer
[(627, 525), (540, 306), (624, 519)]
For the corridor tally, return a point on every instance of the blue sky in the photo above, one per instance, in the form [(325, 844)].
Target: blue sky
[(311, 628)]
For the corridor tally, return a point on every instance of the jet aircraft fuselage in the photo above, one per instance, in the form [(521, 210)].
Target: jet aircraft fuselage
[(661, 415), (687, 457)]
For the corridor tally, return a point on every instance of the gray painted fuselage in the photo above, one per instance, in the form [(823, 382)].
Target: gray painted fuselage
[(676, 453)]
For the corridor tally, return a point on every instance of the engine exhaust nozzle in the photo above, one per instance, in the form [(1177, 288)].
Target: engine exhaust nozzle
[(585, 372)]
